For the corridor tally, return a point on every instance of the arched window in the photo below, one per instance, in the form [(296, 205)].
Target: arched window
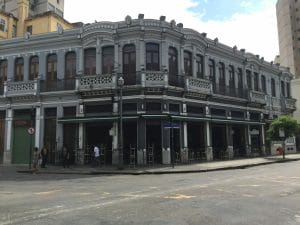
[(70, 65), (273, 87), (19, 69), (212, 73), (152, 57), (256, 88), (188, 68), (129, 65), (107, 60), (249, 80), (173, 66), (33, 67), (3, 71), (52, 67), (199, 66), (231, 77), (282, 88), (90, 61), (221, 74)]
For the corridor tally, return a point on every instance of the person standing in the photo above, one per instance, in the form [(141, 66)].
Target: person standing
[(44, 155), (35, 160), (66, 157), (96, 155)]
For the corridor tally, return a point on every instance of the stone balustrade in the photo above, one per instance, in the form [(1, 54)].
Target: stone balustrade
[(96, 82), (154, 79), (258, 97), (21, 88), (198, 85), (290, 103)]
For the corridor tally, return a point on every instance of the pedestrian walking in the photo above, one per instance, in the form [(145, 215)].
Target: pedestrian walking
[(66, 157), (35, 160), (96, 156), (44, 155)]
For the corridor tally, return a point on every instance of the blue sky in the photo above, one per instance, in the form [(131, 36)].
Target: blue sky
[(220, 10), (248, 24)]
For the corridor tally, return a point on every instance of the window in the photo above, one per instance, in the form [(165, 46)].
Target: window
[(221, 74), (3, 71), (273, 90), (152, 57), (19, 69), (129, 64), (70, 65), (14, 31), (188, 68), (2, 24), (249, 79), (263, 84), (52, 67), (231, 77), (288, 90), (256, 82), (173, 62), (107, 60), (29, 29), (199, 66), (90, 61), (212, 72), (33, 67), (282, 88), (240, 78)]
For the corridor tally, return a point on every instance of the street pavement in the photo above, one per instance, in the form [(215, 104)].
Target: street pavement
[(180, 168)]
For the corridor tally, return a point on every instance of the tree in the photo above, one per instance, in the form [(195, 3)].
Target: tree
[(287, 124)]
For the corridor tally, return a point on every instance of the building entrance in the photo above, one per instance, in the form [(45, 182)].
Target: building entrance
[(153, 142), (219, 143), (196, 144), (239, 143), (129, 141)]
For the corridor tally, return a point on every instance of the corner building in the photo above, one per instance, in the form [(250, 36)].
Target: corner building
[(185, 97)]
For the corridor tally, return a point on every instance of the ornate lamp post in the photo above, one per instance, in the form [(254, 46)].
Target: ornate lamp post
[(120, 85)]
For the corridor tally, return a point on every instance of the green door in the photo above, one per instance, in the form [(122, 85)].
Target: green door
[(21, 145)]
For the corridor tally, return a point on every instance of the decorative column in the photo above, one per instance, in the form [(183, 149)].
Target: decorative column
[(26, 67), (61, 64), (194, 62), (59, 133), (263, 141), (229, 149), (7, 155), (116, 57), (208, 143), (184, 149), (164, 55), (141, 149), (98, 57), (248, 138), (181, 61), (141, 57), (80, 60), (206, 67), (80, 113), (38, 118)]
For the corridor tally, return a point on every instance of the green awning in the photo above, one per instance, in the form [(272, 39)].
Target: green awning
[(94, 119)]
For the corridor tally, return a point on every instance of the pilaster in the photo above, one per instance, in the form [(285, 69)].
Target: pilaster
[(7, 154)]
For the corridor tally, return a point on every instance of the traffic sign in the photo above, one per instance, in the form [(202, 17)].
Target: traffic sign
[(30, 130), (169, 125)]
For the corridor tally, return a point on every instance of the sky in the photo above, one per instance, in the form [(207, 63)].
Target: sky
[(248, 24)]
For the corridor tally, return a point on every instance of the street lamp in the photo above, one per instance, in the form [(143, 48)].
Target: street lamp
[(120, 85)]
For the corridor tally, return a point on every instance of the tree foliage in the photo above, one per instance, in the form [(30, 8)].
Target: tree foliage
[(286, 123)]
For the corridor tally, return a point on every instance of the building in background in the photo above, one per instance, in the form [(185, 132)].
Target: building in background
[(288, 23), (185, 97), (23, 17)]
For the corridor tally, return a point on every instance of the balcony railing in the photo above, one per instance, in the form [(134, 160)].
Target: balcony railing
[(57, 85), (276, 103), (258, 97), (154, 79), (176, 81), (20, 88), (96, 82), (198, 85), (230, 91), (290, 103)]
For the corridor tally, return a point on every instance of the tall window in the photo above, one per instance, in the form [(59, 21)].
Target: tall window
[(90, 61), (249, 80), (188, 68), (33, 67), (240, 78), (263, 84), (212, 72), (19, 69), (199, 66), (231, 77), (129, 64), (107, 60), (288, 90), (70, 65), (3, 71), (152, 57), (2, 24), (256, 82), (282, 88), (52, 67), (173, 65), (221, 74), (273, 87)]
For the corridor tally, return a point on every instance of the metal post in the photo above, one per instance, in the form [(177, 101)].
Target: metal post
[(173, 150), (120, 84), (31, 136)]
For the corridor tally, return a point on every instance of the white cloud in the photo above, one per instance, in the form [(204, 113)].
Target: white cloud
[(256, 32)]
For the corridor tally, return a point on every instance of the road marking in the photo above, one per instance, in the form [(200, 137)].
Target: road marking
[(249, 185), (46, 192), (180, 196), (248, 196)]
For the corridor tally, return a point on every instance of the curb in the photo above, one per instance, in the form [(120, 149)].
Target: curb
[(145, 172)]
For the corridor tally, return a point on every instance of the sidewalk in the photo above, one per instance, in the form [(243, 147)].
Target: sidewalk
[(185, 168)]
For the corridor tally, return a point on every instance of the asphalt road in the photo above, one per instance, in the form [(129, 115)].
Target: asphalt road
[(264, 195)]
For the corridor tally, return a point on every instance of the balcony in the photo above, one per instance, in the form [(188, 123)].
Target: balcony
[(230, 91), (258, 97), (193, 84), (57, 85), (154, 79), (290, 104), (96, 82), (275, 102), (20, 88)]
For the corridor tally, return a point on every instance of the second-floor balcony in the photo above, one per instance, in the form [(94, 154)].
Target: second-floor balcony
[(230, 91), (18, 89), (258, 97), (198, 85), (96, 82), (57, 85), (290, 104), (154, 79)]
